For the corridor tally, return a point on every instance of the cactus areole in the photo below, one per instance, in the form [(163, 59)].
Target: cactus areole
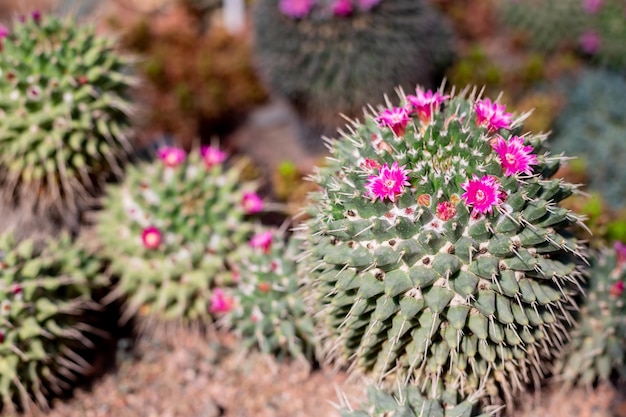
[(439, 251)]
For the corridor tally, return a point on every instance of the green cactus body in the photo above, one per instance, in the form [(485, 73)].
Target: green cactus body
[(44, 325), (598, 345), (172, 233), (270, 311), (325, 64), (64, 115), (416, 280), (409, 402)]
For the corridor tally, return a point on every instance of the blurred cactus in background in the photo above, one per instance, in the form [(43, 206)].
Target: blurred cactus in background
[(335, 57)]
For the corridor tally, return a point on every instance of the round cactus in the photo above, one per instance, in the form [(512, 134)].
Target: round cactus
[(598, 345), (269, 311), (172, 230), (45, 299), (331, 57), (63, 115), (439, 251)]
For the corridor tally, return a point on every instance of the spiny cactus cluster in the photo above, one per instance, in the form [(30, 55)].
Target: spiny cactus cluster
[(45, 300), (409, 402), (63, 115), (269, 311), (325, 64), (598, 346), (592, 127), (438, 249), (172, 230)]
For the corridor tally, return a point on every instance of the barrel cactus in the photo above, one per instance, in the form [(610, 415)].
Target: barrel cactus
[(331, 57), (269, 311), (64, 116), (48, 297), (439, 252), (598, 345), (172, 230)]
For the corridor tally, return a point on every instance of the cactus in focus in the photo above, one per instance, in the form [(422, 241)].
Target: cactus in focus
[(46, 297), (598, 345), (409, 402), (269, 310), (592, 126), (336, 60), (438, 249), (172, 230), (64, 116)]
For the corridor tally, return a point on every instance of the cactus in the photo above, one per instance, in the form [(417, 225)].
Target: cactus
[(438, 249), (270, 312), (598, 345), (64, 116), (592, 126), (44, 332), (409, 402), (325, 64), (172, 230)]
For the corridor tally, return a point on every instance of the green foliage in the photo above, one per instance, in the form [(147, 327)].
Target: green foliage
[(46, 297), (64, 115), (270, 311), (457, 300), (598, 345), (592, 126), (201, 221), (330, 65)]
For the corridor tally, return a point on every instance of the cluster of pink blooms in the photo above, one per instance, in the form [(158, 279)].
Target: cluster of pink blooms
[(299, 9)]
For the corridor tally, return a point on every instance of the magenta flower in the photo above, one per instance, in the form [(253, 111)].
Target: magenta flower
[(492, 115), (342, 8), (389, 183), (617, 289), (620, 250), (151, 237), (212, 156), (482, 194), (425, 103), (220, 302), (251, 203), (36, 15), (368, 4), (592, 6), (445, 210), (514, 156), (171, 156), (4, 32), (262, 241), (296, 8), (395, 118), (589, 42)]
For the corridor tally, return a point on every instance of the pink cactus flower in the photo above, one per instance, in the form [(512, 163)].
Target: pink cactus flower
[(620, 250), (445, 210), (514, 156), (482, 194), (36, 15), (297, 9), (592, 6), (151, 237), (492, 115), (395, 118), (389, 183), (220, 302), (617, 289), (171, 156), (589, 42), (4, 32), (425, 103), (342, 8), (262, 241), (212, 156), (366, 5), (251, 203)]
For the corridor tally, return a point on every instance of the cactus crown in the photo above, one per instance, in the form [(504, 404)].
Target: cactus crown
[(438, 248), (63, 111)]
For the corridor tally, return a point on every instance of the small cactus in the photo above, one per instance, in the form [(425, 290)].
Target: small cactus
[(172, 230), (64, 116), (438, 249), (45, 297), (598, 345)]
